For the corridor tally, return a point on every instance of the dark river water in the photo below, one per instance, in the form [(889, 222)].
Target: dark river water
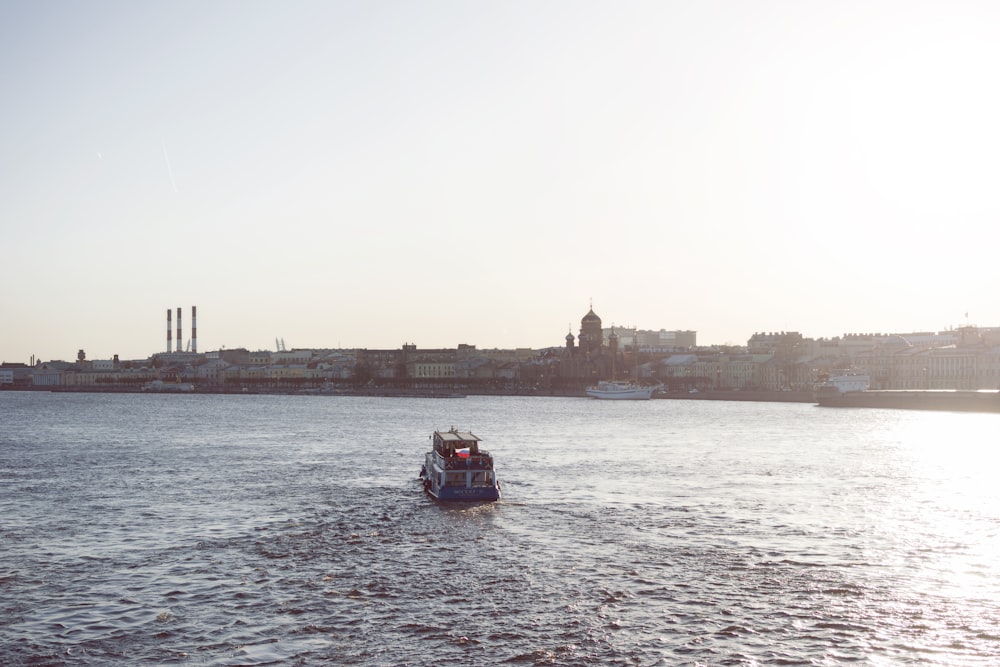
[(280, 530)]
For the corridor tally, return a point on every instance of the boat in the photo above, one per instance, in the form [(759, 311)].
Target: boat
[(621, 391), (457, 469), (918, 399), (846, 382), (168, 387)]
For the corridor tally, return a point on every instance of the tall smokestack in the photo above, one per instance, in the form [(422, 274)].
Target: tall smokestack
[(180, 345), (194, 329), (170, 333)]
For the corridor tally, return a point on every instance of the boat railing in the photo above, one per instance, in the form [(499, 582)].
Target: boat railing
[(482, 461)]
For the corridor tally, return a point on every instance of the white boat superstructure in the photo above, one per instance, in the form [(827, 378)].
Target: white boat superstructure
[(621, 391), (846, 383), (850, 382)]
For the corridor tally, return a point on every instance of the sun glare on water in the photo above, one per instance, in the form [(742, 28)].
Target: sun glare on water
[(953, 502)]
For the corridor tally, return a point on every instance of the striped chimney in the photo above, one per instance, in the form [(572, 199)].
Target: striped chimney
[(180, 345), (170, 333), (194, 329)]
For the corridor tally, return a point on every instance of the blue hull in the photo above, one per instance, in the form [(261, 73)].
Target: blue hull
[(475, 494), (460, 493)]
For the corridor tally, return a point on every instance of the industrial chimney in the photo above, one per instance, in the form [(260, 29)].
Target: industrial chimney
[(180, 345), (194, 329), (170, 334)]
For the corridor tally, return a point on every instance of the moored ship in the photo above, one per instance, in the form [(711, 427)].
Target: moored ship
[(621, 391), (457, 469), (901, 399)]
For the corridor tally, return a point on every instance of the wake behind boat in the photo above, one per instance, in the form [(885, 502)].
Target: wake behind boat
[(456, 469), (621, 391)]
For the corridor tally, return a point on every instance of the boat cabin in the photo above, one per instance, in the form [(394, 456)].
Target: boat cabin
[(448, 443)]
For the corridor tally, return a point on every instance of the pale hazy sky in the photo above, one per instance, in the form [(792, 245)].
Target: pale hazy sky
[(365, 174)]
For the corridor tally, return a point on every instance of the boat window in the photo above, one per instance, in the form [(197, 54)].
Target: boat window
[(482, 479), (454, 479)]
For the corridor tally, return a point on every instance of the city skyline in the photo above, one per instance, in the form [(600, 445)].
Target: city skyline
[(180, 336), (344, 175)]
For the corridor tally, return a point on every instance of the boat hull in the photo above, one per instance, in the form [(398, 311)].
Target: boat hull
[(954, 401), (482, 494), (631, 393)]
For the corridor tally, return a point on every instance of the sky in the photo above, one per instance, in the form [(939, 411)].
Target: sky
[(369, 174)]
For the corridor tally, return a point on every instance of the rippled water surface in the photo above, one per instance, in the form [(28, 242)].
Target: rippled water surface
[(232, 530)]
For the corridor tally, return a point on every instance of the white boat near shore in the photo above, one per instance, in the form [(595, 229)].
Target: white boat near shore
[(168, 387), (617, 390)]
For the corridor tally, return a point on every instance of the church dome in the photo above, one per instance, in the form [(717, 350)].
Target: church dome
[(591, 316)]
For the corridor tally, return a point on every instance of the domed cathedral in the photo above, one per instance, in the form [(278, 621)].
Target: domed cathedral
[(570, 341), (591, 336), (590, 360)]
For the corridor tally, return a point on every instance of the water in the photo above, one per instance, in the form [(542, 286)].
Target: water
[(258, 530)]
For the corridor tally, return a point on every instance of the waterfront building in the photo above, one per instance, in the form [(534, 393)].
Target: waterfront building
[(14, 375), (666, 341), (212, 372), (260, 358), (437, 370), (292, 357)]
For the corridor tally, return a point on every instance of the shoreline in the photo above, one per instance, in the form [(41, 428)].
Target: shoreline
[(436, 392)]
